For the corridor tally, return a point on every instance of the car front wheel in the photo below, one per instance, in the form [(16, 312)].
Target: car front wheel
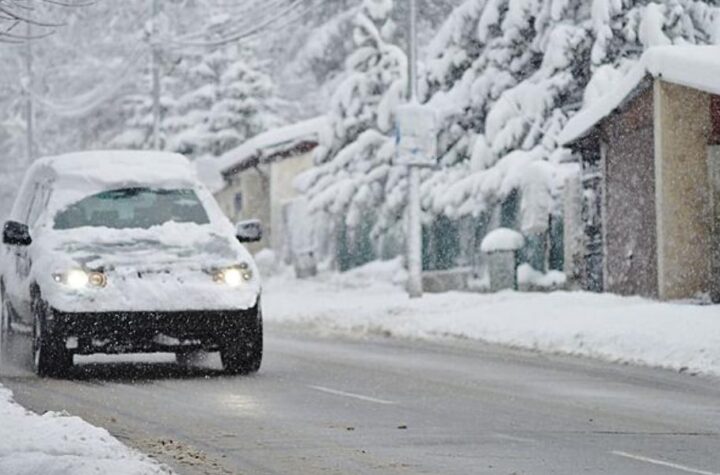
[(50, 357), (241, 351)]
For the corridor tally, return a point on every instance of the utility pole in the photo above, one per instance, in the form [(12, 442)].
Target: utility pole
[(155, 45), (414, 238), (29, 106)]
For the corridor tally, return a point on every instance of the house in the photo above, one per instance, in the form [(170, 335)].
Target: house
[(650, 153), (255, 180)]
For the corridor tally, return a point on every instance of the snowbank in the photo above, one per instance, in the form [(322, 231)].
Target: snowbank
[(633, 330), (57, 444), (534, 279)]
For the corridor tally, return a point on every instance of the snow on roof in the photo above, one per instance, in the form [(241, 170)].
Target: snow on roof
[(265, 146), (312, 129), (112, 167), (696, 67)]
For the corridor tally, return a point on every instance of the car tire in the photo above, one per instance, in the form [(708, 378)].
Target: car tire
[(242, 352), (50, 357)]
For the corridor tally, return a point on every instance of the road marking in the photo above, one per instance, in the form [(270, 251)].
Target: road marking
[(662, 463), (351, 395), (514, 438)]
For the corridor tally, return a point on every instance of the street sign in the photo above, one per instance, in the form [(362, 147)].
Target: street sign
[(416, 135)]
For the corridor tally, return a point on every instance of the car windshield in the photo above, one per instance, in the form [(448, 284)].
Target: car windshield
[(133, 208)]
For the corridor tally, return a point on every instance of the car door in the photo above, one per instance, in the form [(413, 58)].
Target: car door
[(21, 298)]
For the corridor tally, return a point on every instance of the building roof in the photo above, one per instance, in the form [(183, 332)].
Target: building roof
[(696, 67), (273, 145)]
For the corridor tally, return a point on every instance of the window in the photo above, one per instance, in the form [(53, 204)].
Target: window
[(238, 202), (133, 208), (38, 203)]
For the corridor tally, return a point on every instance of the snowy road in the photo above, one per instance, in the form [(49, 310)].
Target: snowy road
[(336, 405)]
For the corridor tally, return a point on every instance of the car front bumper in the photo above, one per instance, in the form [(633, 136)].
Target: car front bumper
[(139, 332)]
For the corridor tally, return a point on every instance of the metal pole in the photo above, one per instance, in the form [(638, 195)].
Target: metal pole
[(412, 53), (155, 44), (414, 239), (29, 107)]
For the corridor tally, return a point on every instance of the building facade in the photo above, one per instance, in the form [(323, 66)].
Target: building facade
[(651, 224)]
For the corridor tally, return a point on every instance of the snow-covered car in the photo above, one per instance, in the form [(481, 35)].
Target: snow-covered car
[(126, 252)]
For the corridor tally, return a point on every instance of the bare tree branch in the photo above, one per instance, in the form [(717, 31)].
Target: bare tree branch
[(39, 13)]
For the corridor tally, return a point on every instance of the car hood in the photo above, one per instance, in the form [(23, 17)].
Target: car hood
[(150, 253), (167, 268)]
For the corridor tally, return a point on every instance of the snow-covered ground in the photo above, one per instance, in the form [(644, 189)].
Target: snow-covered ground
[(677, 336), (58, 444)]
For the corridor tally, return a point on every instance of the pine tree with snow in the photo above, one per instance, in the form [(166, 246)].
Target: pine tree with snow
[(539, 61), (138, 126), (244, 105), (186, 123), (354, 167)]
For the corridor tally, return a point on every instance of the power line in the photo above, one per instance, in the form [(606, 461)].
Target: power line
[(243, 34), (84, 103)]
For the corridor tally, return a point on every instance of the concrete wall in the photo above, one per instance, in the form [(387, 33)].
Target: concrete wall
[(282, 175), (254, 184), (714, 168), (265, 190), (629, 200), (684, 226)]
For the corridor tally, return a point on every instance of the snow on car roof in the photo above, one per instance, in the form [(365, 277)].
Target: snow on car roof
[(122, 167), (693, 66), (78, 175)]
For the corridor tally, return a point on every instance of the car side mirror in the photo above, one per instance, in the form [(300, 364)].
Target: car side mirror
[(249, 231), (16, 234)]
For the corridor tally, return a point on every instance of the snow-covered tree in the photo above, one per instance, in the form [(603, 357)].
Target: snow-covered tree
[(353, 167), (244, 106), (538, 62), (504, 76)]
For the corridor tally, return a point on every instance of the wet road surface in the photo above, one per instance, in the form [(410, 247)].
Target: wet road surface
[(335, 405)]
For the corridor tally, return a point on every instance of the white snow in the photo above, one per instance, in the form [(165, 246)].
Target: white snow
[(317, 129), (502, 239), (175, 263), (533, 278), (697, 67), (651, 26), (608, 327), (58, 444), (79, 175)]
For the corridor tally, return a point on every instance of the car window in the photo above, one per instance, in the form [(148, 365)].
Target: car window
[(134, 208), (38, 203)]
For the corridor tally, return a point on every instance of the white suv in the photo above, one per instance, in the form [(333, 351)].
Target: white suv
[(122, 252)]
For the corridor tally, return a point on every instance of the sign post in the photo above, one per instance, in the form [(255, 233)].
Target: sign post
[(416, 130)]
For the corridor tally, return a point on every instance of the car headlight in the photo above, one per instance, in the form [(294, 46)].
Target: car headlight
[(234, 276), (80, 279)]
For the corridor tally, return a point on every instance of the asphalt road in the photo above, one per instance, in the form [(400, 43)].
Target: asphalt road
[(337, 406)]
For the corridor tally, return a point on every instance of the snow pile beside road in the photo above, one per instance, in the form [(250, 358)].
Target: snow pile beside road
[(621, 329), (57, 444)]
